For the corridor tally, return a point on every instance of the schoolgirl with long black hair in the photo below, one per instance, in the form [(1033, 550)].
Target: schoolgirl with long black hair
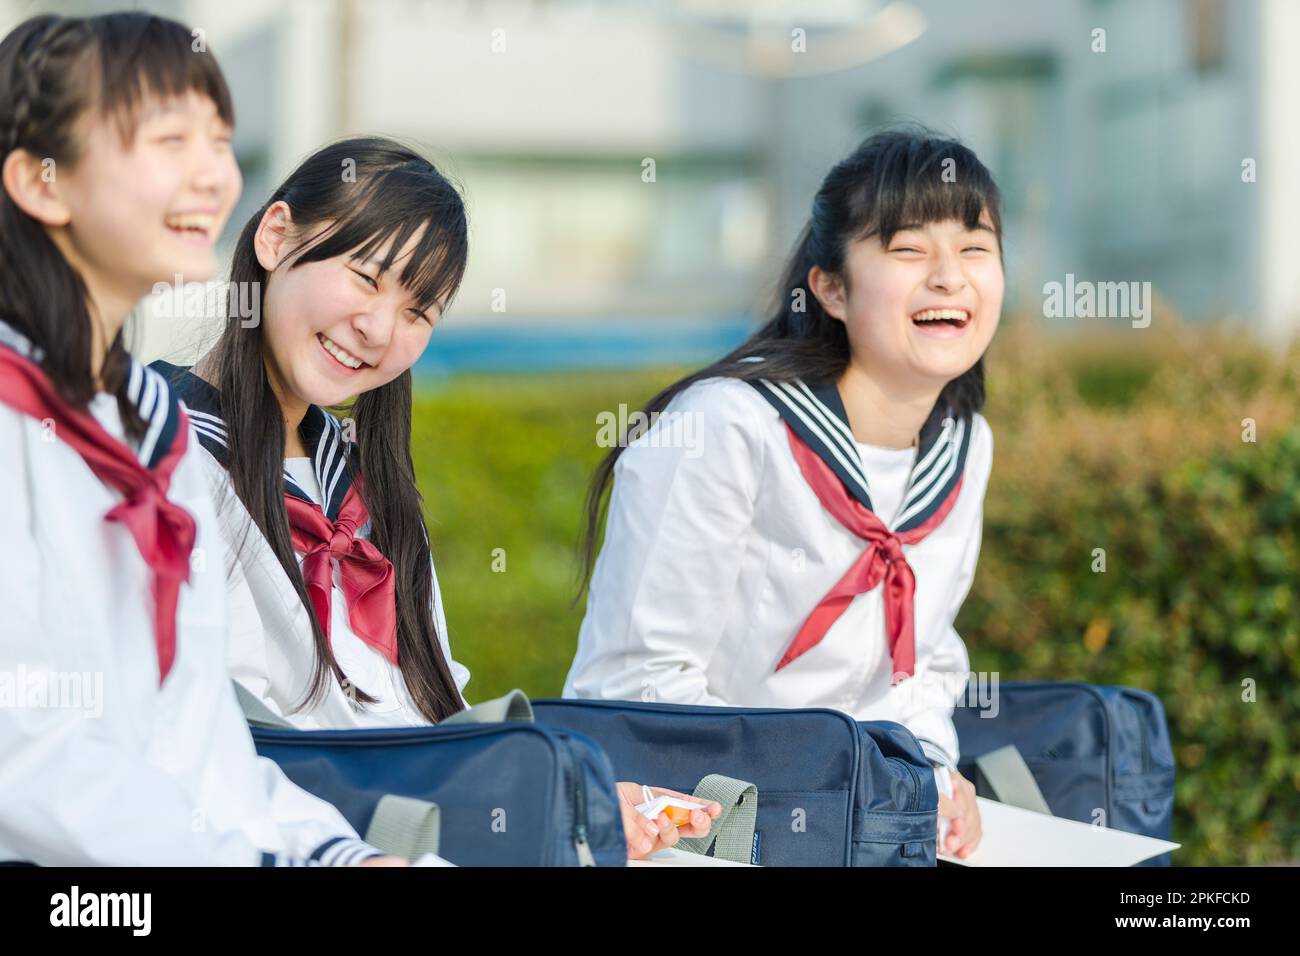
[(812, 541), (121, 739), (337, 618)]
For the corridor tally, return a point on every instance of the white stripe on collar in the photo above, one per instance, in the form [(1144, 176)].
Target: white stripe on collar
[(341, 468), (948, 466), (145, 389), (935, 462), (158, 407), (924, 464), (150, 394), (850, 461), (822, 423), (331, 454), (832, 427)]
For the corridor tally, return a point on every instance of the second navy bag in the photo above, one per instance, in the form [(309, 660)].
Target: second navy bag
[(1098, 754), (831, 791)]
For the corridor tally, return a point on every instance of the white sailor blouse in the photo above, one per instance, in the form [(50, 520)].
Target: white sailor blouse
[(121, 742), (272, 653), (743, 563)]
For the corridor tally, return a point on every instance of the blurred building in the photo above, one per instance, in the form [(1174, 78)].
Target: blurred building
[(1121, 153)]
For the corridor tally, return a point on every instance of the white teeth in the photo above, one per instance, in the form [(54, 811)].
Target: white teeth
[(199, 221), (347, 358), (938, 315)]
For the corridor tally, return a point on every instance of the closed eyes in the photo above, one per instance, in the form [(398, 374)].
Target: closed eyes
[(374, 283), (921, 252)]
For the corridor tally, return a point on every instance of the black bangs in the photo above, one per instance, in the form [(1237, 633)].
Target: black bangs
[(396, 204), (143, 56), (914, 180)]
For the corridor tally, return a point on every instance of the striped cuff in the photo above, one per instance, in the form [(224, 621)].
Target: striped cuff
[(283, 859), (936, 754), (344, 851), (337, 851)]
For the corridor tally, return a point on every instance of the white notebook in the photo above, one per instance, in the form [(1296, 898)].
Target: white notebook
[(672, 856), (1016, 837)]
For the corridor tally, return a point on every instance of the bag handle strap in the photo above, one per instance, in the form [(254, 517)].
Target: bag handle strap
[(512, 706), (732, 834), (1004, 775), (256, 712), (405, 827)]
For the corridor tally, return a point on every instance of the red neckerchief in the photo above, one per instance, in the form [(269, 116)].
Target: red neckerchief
[(367, 576), (163, 531), (881, 561)]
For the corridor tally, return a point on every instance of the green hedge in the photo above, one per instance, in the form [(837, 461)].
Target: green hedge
[(1098, 445)]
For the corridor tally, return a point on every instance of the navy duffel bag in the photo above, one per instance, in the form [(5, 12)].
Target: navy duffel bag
[(507, 794), (831, 791), (1099, 754)]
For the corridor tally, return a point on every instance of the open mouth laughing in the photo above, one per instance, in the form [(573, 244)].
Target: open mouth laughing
[(339, 354)]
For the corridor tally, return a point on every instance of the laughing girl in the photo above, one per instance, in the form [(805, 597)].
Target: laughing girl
[(815, 545), (337, 616), (125, 746)]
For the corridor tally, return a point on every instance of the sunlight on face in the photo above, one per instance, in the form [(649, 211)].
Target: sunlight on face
[(337, 328), (146, 211), (923, 308)]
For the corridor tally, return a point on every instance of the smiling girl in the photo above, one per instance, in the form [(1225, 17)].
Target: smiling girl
[(814, 546), (337, 616), (352, 272), (122, 743)]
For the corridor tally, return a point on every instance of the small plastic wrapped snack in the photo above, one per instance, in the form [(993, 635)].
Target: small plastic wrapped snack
[(677, 808)]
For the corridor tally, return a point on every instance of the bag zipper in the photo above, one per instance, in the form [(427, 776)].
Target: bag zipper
[(580, 843), (1109, 784), (1142, 734), (916, 783)]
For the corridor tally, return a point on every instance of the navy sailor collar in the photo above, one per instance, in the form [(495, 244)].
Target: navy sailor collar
[(816, 414), (148, 391), (335, 459)]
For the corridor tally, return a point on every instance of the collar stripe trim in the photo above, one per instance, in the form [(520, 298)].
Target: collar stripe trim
[(849, 472)]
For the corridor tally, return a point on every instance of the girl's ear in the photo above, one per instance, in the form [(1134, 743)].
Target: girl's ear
[(33, 187), (829, 290), (271, 241)]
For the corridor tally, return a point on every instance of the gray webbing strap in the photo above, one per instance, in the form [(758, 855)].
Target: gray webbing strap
[(513, 706), (734, 830), (405, 827), (1004, 775), (256, 712)]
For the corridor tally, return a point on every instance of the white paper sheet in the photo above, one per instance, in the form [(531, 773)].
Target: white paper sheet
[(1016, 837), (675, 857)]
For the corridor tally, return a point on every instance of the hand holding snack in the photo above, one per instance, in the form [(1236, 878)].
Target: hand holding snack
[(667, 816)]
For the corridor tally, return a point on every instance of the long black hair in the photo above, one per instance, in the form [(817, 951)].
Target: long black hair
[(897, 177), (53, 70), (392, 193)]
